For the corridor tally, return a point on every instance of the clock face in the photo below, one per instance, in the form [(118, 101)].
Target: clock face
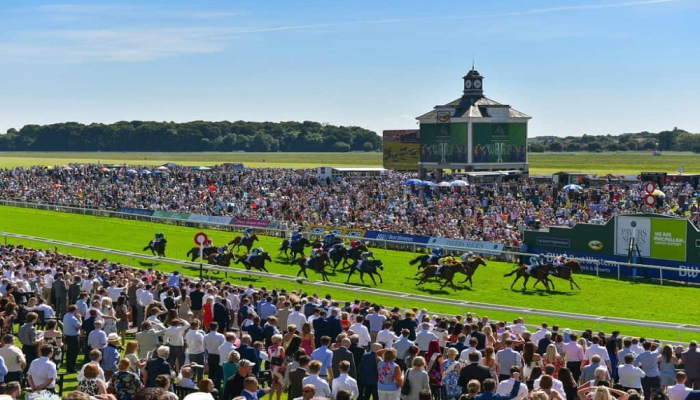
[(467, 84), (477, 84)]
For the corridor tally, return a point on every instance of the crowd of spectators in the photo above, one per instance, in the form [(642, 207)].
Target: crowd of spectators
[(217, 340), (491, 212)]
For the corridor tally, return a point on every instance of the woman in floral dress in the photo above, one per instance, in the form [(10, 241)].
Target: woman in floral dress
[(125, 383), (452, 369)]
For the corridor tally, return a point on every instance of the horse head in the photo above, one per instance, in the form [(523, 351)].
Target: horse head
[(479, 261), (254, 237), (266, 256), (380, 264), (573, 265)]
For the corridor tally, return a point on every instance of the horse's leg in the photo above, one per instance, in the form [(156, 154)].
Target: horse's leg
[(471, 284), (527, 278), (352, 270), (371, 275), (380, 277), (551, 282), (513, 284), (300, 271), (362, 277)]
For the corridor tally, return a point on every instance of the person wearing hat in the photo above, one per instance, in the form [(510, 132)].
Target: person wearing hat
[(234, 385), (110, 355)]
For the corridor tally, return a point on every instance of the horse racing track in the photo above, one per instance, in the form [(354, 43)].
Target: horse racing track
[(603, 296)]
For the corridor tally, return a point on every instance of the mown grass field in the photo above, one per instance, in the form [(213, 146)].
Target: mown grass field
[(540, 163), (599, 296)]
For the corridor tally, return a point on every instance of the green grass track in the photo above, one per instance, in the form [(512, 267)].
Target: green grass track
[(599, 296)]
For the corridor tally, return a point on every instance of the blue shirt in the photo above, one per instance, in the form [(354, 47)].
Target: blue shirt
[(71, 325), (3, 370), (648, 362), (110, 359), (325, 356), (266, 310), (174, 281), (82, 307)]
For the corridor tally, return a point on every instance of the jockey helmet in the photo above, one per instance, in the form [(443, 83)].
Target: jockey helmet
[(260, 249), (319, 250)]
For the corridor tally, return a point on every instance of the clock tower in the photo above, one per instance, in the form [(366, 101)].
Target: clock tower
[(473, 84)]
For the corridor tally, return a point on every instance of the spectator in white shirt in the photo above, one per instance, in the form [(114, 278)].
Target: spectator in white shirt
[(464, 357), (596, 349), (345, 382), (361, 331), (556, 383), (679, 391), (42, 372), (174, 336), (97, 339), (506, 386), (518, 328), (424, 337), (195, 344), (539, 334), (386, 336), (322, 388), (630, 376)]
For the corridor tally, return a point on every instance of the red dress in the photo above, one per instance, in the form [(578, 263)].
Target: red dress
[(208, 316)]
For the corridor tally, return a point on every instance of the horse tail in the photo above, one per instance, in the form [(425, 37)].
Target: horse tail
[(415, 260), (511, 273)]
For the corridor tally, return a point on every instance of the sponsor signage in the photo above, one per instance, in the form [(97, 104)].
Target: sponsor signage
[(322, 230), (397, 237), (136, 211), (171, 215), (486, 247), (252, 222), (209, 218), (553, 242), (355, 233), (660, 238)]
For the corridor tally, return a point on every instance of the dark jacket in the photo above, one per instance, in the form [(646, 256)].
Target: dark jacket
[(498, 396), (334, 327), (480, 339), (473, 371), (255, 331), (155, 367), (73, 293), (409, 324), (233, 387), (295, 385), (343, 354), (221, 315), (367, 372), (542, 345), (357, 353), (249, 353), (321, 329)]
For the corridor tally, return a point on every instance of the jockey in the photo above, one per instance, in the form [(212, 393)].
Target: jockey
[(466, 257), (559, 262), (445, 262), (256, 252), (328, 239), (534, 263), (336, 247), (247, 232), (159, 236), (435, 255), (364, 257), (315, 253), (222, 250), (355, 244)]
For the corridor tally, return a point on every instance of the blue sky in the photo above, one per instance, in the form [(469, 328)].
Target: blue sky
[(585, 66)]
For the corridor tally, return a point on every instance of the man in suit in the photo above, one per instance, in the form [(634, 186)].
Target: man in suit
[(60, 295), (297, 376), (334, 326), (248, 352), (221, 315), (321, 328), (691, 360), (473, 371), (480, 337), (489, 390), (368, 376), (282, 315), (74, 290), (407, 323), (343, 354), (157, 366), (356, 350)]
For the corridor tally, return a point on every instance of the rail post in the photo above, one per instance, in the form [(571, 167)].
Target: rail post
[(618, 272), (661, 276)]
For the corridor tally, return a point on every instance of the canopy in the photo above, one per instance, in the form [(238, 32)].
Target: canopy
[(131, 171), (459, 183), (658, 193), (104, 169), (162, 168), (414, 182), (201, 168), (170, 165), (145, 172), (572, 187), (444, 184)]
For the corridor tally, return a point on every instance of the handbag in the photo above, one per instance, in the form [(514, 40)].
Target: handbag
[(406, 388), (276, 361)]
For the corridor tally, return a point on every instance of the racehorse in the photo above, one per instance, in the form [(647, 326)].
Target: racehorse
[(565, 272), (206, 252), (239, 241), (540, 273), (317, 264), (224, 260), (354, 254), (336, 256), (157, 247), (423, 259), (296, 249), (368, 267), (447, 273), (258, 262), (471, 268)]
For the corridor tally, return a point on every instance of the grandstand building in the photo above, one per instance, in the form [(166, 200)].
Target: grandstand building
[(473, 133)]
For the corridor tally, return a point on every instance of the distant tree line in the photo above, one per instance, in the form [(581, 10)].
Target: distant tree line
[(304, 136), (673, 140)]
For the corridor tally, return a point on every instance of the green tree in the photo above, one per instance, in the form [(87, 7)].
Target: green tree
[(555, 146), (340, 147), (649, 145), (594, 146)]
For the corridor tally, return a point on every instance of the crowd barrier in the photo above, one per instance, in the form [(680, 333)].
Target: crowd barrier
[(408, 300), (376, 239)]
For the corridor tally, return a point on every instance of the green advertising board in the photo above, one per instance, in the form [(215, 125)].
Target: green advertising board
[(668, 240), (444, 143), (499, 143)]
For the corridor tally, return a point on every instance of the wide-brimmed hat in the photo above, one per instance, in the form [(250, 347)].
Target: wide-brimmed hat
[(113, 337)]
